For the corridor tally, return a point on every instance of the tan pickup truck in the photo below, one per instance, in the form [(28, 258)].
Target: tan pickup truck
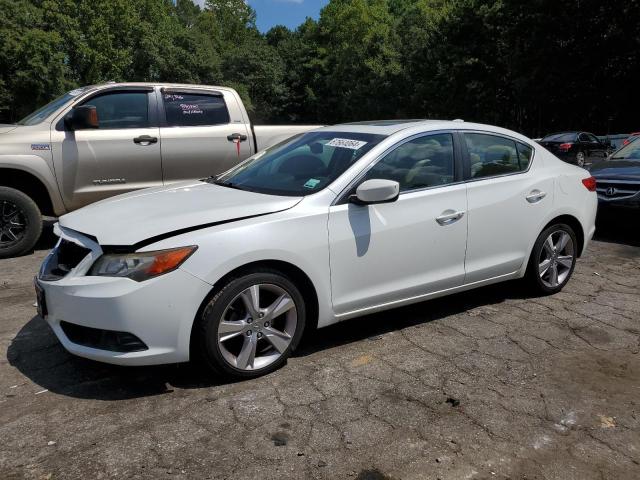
[(102, 140)]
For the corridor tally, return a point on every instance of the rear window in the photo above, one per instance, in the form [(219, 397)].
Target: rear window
[(560, 137), (188, 109)]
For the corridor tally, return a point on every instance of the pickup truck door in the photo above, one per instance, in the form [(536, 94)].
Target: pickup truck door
[(123, 154), (202, 133)]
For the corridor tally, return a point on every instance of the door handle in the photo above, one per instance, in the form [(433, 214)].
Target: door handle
[(535, 196), (449, 218), (236, 137), (145, 140)]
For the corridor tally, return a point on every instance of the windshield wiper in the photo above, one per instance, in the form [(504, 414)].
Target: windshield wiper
[(225, 184), (617, 158)]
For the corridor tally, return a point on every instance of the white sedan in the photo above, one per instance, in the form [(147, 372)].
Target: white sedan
[(333, 224)]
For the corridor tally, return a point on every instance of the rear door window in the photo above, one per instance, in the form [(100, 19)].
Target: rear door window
[(490, 155), (194, 109), (525, 152)]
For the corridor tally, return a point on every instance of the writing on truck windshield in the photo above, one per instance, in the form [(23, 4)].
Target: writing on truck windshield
[(301, 166)]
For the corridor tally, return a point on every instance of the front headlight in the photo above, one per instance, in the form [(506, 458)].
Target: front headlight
[(140, 266)]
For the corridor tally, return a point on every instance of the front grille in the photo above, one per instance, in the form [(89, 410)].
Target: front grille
[(110, 340), (617, 189), (62, 260)]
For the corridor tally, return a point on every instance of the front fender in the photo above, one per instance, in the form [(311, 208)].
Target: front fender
[(38, 168), (301, 241)]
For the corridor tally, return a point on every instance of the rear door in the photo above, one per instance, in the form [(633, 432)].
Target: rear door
[(123, 154), (202, 134), (508, 199)]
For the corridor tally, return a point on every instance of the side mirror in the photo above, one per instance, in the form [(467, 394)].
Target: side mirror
[(82, 118), (376, 191)]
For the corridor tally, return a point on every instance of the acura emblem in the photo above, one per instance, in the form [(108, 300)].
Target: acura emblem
[(611, 191)]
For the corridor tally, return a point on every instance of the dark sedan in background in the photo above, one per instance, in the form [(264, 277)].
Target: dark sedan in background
[(618, 177), (580, 148)]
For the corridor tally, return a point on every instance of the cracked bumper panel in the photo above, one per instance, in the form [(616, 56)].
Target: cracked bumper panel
[(160, 312)]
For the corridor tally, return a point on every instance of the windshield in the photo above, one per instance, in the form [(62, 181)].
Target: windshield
[(43, 112), (560, 137), (300, 166), (629, 152)]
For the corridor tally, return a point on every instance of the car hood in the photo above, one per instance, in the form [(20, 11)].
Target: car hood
[(4, 128), (617, 170), (161, 212)]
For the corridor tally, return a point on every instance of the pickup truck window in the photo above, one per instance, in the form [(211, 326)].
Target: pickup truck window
[(189, 110), (300, 166), (121, 110)]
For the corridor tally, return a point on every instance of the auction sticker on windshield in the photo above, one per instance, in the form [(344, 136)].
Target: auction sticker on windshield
[(346, 143)]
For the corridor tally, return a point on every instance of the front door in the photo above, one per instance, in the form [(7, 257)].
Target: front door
[(123, 154), (199, 136), (387, 253)]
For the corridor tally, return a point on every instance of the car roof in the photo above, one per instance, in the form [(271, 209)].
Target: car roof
[(390, 127)]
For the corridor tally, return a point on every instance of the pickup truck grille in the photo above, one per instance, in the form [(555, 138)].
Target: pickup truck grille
[(62, 260), (617, 189)]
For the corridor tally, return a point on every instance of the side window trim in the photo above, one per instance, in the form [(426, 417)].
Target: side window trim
[(467, 158), (458, 176), (162, 111), (152, 111)]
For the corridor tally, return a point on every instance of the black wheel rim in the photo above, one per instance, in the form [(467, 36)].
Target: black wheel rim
[(13, 224)]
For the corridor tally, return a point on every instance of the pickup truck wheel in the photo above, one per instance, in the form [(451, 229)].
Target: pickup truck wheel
[(20, 223)]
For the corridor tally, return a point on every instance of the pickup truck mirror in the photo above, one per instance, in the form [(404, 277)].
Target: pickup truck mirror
[(82, 118), (376, 191)]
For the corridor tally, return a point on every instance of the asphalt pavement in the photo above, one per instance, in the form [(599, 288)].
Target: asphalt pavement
[(488, 384)]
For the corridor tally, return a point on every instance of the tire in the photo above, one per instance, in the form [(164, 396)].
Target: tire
[(559, 256), (271, 337), (580, 159), (20, 223)]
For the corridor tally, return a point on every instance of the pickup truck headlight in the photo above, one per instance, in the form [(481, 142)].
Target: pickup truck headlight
[(140, 266)]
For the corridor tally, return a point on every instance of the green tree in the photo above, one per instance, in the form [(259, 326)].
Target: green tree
[(33, 65)]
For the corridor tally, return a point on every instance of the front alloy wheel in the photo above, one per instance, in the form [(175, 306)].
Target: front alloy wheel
[(257, 327), (20, 223), (251, 325)]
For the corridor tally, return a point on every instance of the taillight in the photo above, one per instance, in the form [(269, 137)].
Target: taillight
[(589, 183), (625, 142), (565, 147)]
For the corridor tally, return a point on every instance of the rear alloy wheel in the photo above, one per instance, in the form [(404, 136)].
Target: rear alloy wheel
[(20, 223), (251, 326), (553, 259), (580, 159)]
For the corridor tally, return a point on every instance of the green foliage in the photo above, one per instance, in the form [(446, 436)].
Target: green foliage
[(534, 66)]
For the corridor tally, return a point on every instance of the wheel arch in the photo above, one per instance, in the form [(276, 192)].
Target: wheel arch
[(575, 225), (295, 273), (29, 184)]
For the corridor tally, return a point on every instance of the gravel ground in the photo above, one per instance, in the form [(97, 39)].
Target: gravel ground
[(485, 384)]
